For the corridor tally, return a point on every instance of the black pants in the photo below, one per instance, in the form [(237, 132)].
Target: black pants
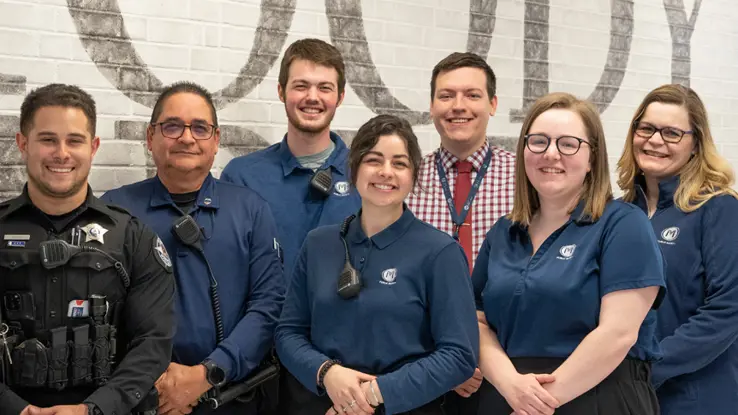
[(627, 391), (456, 404), (297, 400)]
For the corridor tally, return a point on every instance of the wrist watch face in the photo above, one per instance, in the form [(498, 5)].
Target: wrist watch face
[(215, 375)]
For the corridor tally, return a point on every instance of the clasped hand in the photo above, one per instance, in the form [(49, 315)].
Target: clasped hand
[(526, 395), (472, 385), (346, 387), (180, 387)]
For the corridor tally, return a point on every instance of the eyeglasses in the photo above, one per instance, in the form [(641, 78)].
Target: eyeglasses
[(566, 144), (668, 134), (174, 129)]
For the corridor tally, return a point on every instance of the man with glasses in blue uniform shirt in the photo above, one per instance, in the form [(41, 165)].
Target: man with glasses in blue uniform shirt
[(304, 177), (231, 250)]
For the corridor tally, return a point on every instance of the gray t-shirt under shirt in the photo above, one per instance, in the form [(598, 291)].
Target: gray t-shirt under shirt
[(314, 161)]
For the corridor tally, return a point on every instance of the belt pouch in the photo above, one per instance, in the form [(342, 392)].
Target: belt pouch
[(30, 364), (58, 358), (101, 354), (81, 357)]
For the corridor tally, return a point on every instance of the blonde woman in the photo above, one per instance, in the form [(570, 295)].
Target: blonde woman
[(671, 169), (565, 283)]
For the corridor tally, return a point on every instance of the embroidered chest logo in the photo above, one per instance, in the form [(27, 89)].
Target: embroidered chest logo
[(669, 235), (389, 276), (341, 188), (567, 252)]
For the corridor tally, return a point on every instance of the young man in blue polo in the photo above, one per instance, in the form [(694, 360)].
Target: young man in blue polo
[(304, 177)]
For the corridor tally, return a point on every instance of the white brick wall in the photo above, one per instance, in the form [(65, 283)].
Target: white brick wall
[(209, 41)]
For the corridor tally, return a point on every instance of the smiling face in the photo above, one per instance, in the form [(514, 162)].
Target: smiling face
[(183, 154), (310, 96), (657, 158), (553, 175), (58, 151), (461, 107), (385, 175)]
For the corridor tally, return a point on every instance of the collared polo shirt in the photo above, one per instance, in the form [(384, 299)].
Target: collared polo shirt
[(276, 175), (545, 304), (413, 323)]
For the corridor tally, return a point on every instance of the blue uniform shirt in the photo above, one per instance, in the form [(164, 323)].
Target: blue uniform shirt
[(239, 242), (413, 324), (544, 305), (276, 175), (698, 322)]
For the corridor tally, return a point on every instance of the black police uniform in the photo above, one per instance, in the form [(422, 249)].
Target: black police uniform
[(94, 328)]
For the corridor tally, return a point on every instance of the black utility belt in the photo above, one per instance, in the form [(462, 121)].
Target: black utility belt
[(73, 356)]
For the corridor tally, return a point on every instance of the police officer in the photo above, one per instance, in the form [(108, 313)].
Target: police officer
[(226, 261), (565, 284), (87, 290), (304, 178), (379, 312), (672, 170)]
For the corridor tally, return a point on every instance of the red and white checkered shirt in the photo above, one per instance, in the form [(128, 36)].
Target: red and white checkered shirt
[(493, 200)]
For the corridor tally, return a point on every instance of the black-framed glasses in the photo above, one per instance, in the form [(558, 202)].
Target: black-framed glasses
[(175, 129), (566, 144), (668, 134)]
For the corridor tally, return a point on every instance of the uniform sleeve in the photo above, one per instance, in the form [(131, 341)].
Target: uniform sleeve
[(454, 328), (630, 257), (253, 336), (147, 321), (10, 403), (479, 274), (714, 327), (292, 337)]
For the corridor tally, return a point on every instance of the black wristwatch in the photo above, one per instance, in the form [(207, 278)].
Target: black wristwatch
[(92, 409), (215, 375)]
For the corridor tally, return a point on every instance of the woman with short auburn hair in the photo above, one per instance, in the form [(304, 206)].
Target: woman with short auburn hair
[(671, 169), (379, 315), (564, 313)]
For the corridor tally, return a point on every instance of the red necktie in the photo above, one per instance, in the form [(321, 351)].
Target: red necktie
[(461, 192)]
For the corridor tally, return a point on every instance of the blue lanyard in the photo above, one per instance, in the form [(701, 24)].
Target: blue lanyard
[(458, 218)]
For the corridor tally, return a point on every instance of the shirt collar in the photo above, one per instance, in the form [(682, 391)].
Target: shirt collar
[(90, 202), (667, 189), (207, 197), (448, 160), (577, 216), (387, 236), (337, 159)]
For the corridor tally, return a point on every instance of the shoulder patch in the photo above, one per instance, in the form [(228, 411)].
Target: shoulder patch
[(161, 254)]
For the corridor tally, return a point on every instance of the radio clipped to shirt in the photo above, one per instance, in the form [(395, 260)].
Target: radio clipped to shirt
[(349, 281), (321, 183)]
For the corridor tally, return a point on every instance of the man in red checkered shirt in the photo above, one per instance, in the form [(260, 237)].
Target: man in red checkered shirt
[(462, 100)]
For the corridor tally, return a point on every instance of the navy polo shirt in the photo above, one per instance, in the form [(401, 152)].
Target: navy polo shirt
[(240, 243), (545, 304), (698, 322), (276, 175), (413, 324)]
